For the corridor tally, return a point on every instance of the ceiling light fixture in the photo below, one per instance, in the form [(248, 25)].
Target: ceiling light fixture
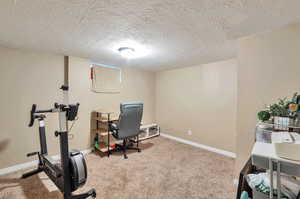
[(127, 52), (130, 49)]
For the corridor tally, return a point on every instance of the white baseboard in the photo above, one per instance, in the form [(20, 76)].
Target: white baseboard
[(18, 167), (208, 148), (28, 165), (86, 151)]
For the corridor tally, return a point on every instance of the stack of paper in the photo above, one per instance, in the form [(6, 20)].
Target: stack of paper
[(282, 137)]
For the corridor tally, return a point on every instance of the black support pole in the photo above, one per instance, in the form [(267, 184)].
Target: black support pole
[(65, 161), (66, 70), (43, 140)]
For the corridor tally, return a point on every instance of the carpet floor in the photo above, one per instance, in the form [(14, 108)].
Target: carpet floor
[(165, 169)]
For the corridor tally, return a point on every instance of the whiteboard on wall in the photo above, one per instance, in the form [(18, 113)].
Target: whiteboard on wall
[(106, 79)]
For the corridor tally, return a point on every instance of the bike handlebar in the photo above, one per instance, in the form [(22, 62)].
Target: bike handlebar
[(32, 112)]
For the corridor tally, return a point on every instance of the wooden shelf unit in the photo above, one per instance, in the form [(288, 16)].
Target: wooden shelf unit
[(102, 132), (105, 139)]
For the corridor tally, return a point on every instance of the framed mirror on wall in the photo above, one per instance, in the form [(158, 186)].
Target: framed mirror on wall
[(106, 79)]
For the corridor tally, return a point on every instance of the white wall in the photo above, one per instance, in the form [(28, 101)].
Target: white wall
[(202, 99), (26, 78)]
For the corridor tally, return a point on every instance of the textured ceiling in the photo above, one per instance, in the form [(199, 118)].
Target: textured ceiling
[(175, 33)]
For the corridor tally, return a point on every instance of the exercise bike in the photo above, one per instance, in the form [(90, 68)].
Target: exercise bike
[(70, 172)]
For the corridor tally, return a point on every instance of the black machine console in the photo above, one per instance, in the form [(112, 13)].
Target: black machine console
[(72, 111)]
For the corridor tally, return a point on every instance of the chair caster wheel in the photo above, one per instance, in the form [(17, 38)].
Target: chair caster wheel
[(125, 157), (91, 193), (94, 195), (139, 150)]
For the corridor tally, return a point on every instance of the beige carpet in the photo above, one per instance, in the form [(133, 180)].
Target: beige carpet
[(165, 169)]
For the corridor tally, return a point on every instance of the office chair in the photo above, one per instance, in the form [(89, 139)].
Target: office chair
[(128, 125)]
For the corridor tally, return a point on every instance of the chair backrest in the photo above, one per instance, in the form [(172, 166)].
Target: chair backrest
[(130, 118)]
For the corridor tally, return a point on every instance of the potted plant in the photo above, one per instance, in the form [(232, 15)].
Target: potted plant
[(283, 114), (264, 116), (280, 113)]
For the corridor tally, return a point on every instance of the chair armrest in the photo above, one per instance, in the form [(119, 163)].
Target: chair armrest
[(113, 127)]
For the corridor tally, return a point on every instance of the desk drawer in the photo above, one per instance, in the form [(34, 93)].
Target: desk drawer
[(285, 167)]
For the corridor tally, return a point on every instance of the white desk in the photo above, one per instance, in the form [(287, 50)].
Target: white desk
[(263, 155)]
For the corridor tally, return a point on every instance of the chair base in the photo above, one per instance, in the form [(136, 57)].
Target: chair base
[(126, 147)]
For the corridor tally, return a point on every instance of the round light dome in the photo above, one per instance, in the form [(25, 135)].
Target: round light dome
[(127, 52)]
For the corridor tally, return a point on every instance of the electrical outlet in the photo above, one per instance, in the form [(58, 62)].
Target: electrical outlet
[(190, 132)]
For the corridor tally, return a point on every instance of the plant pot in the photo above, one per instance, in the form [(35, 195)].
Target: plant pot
[(265, 124)]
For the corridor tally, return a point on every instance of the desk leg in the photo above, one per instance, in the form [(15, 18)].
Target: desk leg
[(278, 181), (108, 136), (108, 148), (271, 178)]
